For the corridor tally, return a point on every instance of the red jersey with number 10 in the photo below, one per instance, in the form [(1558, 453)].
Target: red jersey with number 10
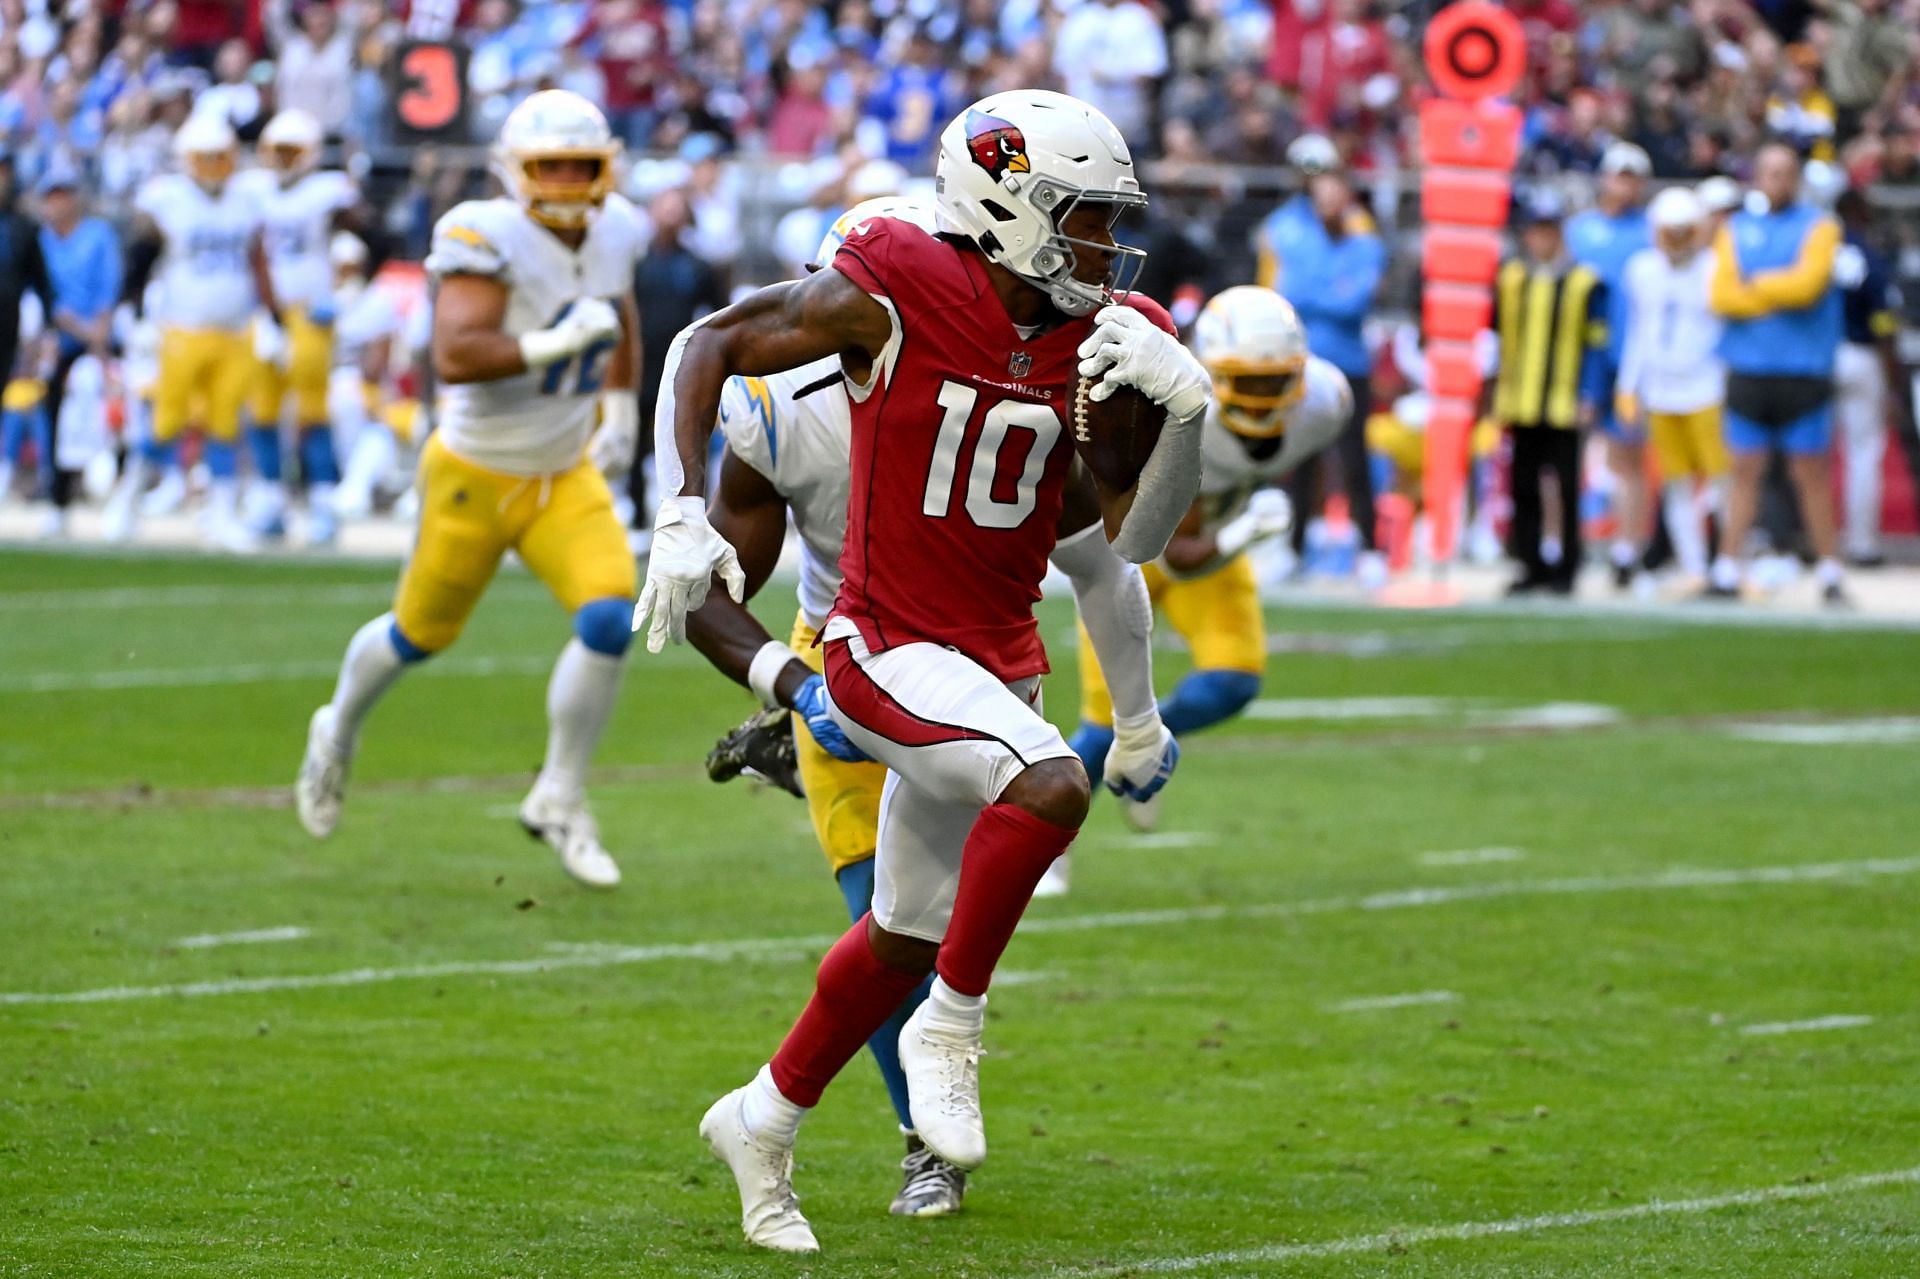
[(961, 448)]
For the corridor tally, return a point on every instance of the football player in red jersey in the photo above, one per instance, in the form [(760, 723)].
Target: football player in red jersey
[(961, 354)]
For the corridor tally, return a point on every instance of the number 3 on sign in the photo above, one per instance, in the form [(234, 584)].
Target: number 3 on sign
[(983, 507)]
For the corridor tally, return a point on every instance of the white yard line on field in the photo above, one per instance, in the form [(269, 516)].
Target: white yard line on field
[(247, 673), (1473, 712), (206, 941), (1890, 730), (1472, 856), (120, 597), (1413, 999), (1465, 1231), (760, 947), (1840, 1021)]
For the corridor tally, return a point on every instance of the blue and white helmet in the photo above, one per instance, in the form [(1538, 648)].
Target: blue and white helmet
[(555, 125), (901, 207)]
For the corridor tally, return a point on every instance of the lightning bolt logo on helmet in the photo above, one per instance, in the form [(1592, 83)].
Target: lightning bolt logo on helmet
[(997, 145)]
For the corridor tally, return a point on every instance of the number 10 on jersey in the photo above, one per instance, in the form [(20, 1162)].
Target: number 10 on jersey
[(983, 468)]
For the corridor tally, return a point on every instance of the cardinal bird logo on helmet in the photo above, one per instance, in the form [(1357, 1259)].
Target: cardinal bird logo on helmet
[(998, 146)]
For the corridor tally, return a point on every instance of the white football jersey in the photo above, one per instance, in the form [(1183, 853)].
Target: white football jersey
[(297, 225), (1230, 474), (205, 272), (365, 315), (537, 422), (802, 446), (1669, 357)]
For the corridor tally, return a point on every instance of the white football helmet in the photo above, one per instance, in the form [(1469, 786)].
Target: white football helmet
[(556, 125), (900, 207), (206, 149), (290, 144), (1014, 165), (1253, 343)]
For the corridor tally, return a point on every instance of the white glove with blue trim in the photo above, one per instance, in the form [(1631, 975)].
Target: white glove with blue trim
[(1142, 758)]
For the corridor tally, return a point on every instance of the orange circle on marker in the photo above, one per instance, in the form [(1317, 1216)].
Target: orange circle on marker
[(1475, 50)]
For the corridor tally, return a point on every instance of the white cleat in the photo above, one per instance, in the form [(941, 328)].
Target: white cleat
[(1054, 882), (769, 1210), (166, 497), (116, 521), (943, 1090), (322, 784), (567, 827)]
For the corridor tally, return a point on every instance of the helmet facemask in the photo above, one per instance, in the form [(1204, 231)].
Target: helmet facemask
[(1255, 397), (561, 203), (287, 161), (211, 169), (1052, 265)]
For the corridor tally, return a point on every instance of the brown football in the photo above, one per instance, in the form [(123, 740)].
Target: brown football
[(1115, 436)]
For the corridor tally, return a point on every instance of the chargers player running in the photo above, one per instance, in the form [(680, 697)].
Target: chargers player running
[(961, 355), (788, 439), (526, 344), (301, 206), (201, 226), (1274, 406)]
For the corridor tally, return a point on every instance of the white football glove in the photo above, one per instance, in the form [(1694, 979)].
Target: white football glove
[(686, 554), (613, 445), (587, 321), (1268, 515), (1127, 349), (1141, 758), (269, 341)]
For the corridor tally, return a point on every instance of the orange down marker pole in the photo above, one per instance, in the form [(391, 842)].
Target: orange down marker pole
[(1469, 144)]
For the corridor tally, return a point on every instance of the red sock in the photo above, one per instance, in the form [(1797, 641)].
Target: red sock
[(1007, 852), (854, 995)]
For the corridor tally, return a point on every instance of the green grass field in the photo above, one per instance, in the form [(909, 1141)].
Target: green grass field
[(1426, 992)]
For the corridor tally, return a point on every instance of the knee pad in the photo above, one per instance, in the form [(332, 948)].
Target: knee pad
[(1205, 698), (409, 651), (605, 625)]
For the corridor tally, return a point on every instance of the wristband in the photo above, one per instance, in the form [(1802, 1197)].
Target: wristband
[(765, 671), (548, 346)]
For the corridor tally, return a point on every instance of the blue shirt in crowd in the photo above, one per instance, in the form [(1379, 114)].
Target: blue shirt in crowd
[(85, 269), (1330, 280)]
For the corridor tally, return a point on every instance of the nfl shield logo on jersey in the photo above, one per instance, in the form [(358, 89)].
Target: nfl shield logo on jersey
[(1019, 364)]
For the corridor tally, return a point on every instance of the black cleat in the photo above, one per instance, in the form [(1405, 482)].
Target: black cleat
[(761, 747), (1834, 595), (933, 1187), (1713, 592)]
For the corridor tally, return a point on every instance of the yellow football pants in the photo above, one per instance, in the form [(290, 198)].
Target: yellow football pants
[(203, 377), (1218, 615), (1687, 444), (562, 525), (843, 800), (308, 372)]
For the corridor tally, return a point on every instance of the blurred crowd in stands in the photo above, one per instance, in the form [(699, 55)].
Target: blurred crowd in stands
[(752, 123)]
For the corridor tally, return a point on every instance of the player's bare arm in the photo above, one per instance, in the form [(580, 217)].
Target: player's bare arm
[(777, 329), (781, 327), (752, 515), (262, 271), (470, 343)]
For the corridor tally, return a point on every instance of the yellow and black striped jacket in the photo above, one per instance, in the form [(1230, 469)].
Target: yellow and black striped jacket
[(1551, 318)]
